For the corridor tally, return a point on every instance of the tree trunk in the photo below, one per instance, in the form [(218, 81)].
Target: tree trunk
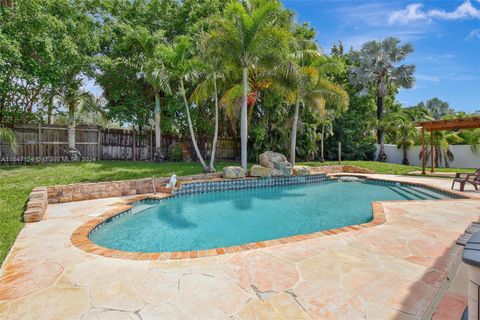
[(71, 128), (380, 133), (190, 126), (405, 156), (158, 148), (322, 157), (293, 137), (244, 120), (50, 109), (215, 134)]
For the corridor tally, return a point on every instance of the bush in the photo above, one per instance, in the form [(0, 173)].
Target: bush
[(175, 152)]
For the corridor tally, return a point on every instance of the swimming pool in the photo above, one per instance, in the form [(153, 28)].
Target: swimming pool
[(221, 219)]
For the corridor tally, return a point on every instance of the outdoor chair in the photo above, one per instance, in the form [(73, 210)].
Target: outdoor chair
[(464, 178)]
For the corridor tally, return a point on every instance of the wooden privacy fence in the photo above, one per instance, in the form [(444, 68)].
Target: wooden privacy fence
[(48, 143)]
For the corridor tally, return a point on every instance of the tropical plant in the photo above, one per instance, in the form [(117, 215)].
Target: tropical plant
[(179, 59), (375, 68), (211, 73), (315, 90), (8, 137), (150, 65), (437, 108), (401, 128), (441, 147), (326, 124), (75, 99), (250, 35)]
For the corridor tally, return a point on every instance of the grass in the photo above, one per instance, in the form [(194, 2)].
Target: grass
[(16, 182)]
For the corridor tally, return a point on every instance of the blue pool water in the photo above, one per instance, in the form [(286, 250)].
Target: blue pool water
[(221, 219)]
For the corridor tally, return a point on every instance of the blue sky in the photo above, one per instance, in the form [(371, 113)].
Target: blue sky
[(445, 34)]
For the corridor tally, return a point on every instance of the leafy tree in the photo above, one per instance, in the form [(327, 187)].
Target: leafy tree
[(437, 108), (375, 68), (74, 99), (47, 43)]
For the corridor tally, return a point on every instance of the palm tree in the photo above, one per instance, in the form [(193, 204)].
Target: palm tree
[(314, 89), (249, 35), (211, 73), (401, 127), (75, 100), (441, 147), (179, 59), (326, 121), (375, 67), (152, 70)]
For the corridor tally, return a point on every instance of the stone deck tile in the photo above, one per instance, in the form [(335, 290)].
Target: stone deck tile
[(389, 271)]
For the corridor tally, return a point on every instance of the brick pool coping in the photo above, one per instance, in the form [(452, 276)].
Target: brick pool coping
[(80, 237)]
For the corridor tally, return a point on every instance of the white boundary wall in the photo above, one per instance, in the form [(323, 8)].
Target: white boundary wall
[(464, 156)]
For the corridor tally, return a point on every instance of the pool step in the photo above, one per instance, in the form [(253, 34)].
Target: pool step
[(141, 207), (429, 193), (473, 228), (401, 192), (415, 194)]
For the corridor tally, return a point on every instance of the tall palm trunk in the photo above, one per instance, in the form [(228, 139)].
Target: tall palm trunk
[(71, 127), (243, 119), (190, 126), (293, 137), (215, 134), (322, 158), (380, 133), (158, 147)]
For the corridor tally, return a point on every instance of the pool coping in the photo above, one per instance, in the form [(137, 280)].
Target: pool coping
[(80, 237)]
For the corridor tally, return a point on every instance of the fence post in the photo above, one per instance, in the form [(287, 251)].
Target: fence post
[(40, 140), (151, 145), (134, 156), (99, 143)]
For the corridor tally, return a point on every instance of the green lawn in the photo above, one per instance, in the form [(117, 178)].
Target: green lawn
[(16, 182)]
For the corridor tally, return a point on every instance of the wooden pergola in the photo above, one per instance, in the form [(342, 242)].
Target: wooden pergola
[(438, 125)]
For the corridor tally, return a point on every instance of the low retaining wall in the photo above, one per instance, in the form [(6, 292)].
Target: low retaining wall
[(37, 205), (42, 196), (339, 169), (89, 191)]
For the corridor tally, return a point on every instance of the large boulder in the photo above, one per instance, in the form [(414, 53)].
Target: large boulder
[(301, 171), (277, 162), (233, 172), (259, 171)]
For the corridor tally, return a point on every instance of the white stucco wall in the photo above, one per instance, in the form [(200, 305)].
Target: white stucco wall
[(464, 156)]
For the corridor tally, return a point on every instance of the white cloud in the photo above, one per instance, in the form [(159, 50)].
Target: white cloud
[(411, 13), (474, 34), (414, 12), (424, 77)]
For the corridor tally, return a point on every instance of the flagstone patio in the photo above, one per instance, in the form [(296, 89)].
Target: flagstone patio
[(392, 271)]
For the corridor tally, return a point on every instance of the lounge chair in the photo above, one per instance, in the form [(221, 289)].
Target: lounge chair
[(463, 178)]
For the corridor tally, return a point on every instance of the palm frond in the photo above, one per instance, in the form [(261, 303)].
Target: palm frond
[(8, 137)]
